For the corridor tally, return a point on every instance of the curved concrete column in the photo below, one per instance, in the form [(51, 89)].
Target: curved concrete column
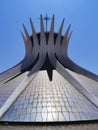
[(42, 51), (30, 56), (10, 73), (64, 44), (85, 92), (22, 86), (78, 69), (58, 39), (50, 46), (35, 42), (62, 56), (28, 49)]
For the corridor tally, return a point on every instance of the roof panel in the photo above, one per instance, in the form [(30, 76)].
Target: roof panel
[(49, 101)]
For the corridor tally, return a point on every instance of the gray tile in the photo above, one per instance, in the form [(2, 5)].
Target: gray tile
[(38, 117), (50, 117), (44, 116), (44, 101), (55, 116), (27, 118), (33, 116)]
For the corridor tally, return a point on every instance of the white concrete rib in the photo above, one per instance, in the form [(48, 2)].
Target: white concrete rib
[(7, 75), (85, 92), (62, 56), (35, 42), (42, 50), (10, 73), (31, 53), (58, 39), (65, 60), (22, 86), (63, 71), (64, 44), (50, 46), (35, 46), (28, 47)]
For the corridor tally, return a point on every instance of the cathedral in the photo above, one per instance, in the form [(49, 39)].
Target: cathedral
[(47, 86)]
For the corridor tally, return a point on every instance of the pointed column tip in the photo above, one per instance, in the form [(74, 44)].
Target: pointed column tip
[(40, 16), (69, 26), (63, 20), (23, 25), (30, 19), (62, 23), (25, 30), (53, 16), (70, 35), (22, 34)]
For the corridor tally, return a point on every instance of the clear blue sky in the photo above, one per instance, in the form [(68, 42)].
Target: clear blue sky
[(82, 14)]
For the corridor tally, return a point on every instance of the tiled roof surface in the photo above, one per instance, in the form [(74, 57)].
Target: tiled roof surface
[(49, 101)]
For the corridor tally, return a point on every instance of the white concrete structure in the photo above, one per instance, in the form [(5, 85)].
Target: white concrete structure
[(39, 48)]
